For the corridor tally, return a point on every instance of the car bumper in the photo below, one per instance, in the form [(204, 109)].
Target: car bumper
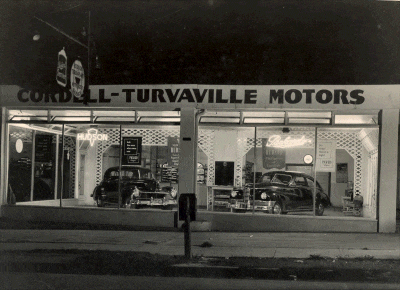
[(153, 202), (259, 205)]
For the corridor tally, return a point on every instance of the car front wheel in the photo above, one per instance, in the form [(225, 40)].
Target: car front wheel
[(99, 202), (277, 208), (319, 208)]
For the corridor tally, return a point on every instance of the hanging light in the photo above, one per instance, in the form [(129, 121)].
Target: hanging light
[(83, 32), (98, 64), (36, 36)]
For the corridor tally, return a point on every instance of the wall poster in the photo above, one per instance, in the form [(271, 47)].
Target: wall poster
[(341, 173), (43, 148), (273, 157), (326, 155), (173, 151)]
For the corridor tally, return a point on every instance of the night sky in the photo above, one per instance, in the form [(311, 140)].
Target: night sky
[(205, 42)]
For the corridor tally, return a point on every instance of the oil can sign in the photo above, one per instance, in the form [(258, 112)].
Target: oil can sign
[(77, 78), (132, 150), (61, 76)]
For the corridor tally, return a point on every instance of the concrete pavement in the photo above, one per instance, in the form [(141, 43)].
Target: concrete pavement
[(209, 244)]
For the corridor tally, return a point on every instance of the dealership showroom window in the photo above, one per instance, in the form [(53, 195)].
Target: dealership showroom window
[(236, 151)]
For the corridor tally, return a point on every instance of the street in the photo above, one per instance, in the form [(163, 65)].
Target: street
[(44, 281)]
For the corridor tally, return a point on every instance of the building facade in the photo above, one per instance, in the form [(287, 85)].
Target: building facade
[(211, 140)]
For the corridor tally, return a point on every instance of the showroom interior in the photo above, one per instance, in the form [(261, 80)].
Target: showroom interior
[(56, 157)]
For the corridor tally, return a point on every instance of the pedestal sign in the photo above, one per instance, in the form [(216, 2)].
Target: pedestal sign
[(131, 150), (326, 156)]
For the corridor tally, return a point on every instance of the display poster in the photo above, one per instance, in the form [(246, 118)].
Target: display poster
[(326, 155), (341, 173), (173, 152), (131, 150), (273, 157), (43, 148)]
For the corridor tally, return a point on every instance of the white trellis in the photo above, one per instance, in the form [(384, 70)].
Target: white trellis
[(347, 140), (150, 137)]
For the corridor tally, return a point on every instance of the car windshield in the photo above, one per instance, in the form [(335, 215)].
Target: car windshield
[(282, 178), (134, 173), (265, 178)]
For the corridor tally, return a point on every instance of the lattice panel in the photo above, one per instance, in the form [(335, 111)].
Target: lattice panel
[(373, 185), (24, 135), (69, 143), (206, 143), (150, 137), (353, 145)]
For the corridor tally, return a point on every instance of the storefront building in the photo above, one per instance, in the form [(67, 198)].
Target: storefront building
[(223, 143)]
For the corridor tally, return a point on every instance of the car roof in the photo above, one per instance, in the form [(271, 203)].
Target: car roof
[(298, 173), (127, 167)]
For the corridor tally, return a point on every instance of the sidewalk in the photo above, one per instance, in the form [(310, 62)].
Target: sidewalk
[(207, 244)]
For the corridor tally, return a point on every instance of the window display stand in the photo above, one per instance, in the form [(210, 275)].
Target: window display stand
[(218, 196)]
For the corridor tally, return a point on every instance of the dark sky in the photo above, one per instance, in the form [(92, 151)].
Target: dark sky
[(205, 42)]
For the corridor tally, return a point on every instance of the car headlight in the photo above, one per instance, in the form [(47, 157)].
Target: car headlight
[(263, 195), (136, 192), (234, 193), (173, 192)]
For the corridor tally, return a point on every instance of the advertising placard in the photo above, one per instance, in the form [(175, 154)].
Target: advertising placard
[(326, 156), (273, 157), (131, 150), (43, 148)]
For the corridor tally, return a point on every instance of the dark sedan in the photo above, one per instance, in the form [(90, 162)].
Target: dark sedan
[(280, 192), (138, 189)]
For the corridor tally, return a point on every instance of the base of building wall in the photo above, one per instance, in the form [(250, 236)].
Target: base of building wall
[(95, 216), (206, 221), (236, 222)]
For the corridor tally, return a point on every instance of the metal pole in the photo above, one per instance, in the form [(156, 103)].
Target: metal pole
[(188, 254), (120, 166), (315, 168), (62, 32), (33, 164), (62, 166), (254, 168), (88, 45)]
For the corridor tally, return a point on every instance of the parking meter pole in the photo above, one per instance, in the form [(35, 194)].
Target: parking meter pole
[(188, 254)]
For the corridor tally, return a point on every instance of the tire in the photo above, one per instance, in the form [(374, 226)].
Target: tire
[(99, 202), (126, 203), (319, 208), (238, 210), (277, 208), (167, 207)]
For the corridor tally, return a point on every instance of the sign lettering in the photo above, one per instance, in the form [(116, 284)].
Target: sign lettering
[(92, 135), (277, 141)]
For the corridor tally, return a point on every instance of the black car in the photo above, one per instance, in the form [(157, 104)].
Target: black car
[(138, 189), (280, 192)]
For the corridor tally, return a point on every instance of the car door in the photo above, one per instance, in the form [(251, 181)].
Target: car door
[(308, 197), (302, 193)]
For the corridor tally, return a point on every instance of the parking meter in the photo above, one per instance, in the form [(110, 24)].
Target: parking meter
[(187, 206)]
